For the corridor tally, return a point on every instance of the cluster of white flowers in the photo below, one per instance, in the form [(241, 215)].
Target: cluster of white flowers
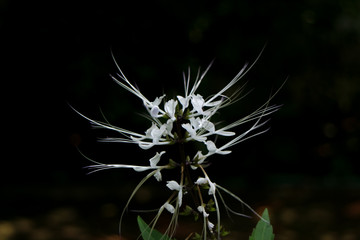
[(178, 121)]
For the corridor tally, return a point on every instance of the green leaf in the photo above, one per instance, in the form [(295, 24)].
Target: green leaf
[(210, 206), (196, 237), (187, 211), (150, 234), (263, 230)]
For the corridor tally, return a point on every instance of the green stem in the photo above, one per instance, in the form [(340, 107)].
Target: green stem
[(184, 165)]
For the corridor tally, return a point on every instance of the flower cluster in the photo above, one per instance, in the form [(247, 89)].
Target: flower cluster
[(187, 118)]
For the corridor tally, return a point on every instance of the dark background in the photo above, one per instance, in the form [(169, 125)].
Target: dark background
[(59, 53)]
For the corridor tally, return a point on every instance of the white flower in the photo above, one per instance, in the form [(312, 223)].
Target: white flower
[(155, 136), (170, 108), (211, 146), (154, 112), (201, 209), (209, 126), (210, 225), (212, 188), (192, 131), (213, 149), (198, 159), (198, 102), (154, 161), (169, 126), (155, 133), (206, 180), (173, 185), (153, 107), (202, 123), (184, 101)]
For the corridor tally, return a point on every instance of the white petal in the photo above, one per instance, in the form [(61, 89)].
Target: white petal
[(212, 188), (188, 128), (169, 127), (156, 133), (197, 102), (169, 207), (173, 185), (201, 181), (149, 131), (210, 225), (145, 145), (170, 108), (201, 209), (155, 160), (158, 176), (225, 133), (206, 180), (223, 152), (213, 149), (184, 102), (195, 123), (154, 112), (208, 126), (158, 100), (140, 169), (153, 107), (199, 157), (211, 146), (192, 133)]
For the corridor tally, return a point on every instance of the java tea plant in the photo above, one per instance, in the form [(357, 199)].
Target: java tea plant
[(179, 122)]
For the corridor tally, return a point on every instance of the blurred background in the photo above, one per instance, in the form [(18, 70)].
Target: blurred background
[(305, 169)]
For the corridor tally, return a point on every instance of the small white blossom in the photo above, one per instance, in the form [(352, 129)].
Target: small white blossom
[(206, 180), (184, 101), (198, 160), (209, 126), (198, 102), (192, 131), (210, 225), (201, 181), (213, 149), (153, 107), (154, 134), (170, 108), (212, 188), (154, 112), (169, 126), (201, 209), (173, 185), (153, 162)]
